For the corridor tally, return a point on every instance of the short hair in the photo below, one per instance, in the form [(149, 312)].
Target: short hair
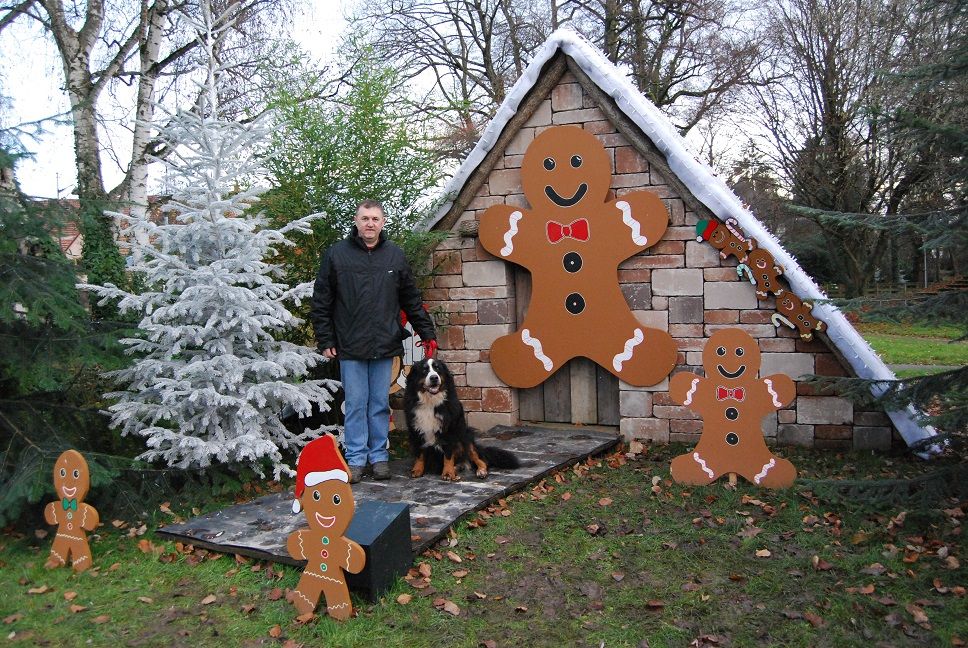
[(370, 204)]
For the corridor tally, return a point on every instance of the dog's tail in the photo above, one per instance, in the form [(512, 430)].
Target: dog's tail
[(498, 458)]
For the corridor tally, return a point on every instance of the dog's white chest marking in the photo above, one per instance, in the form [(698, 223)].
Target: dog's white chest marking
[(428, 423)]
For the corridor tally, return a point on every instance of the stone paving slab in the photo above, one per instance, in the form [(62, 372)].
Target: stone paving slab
[(259, 528)]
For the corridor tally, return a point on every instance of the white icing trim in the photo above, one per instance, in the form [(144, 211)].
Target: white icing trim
[(512, 230), (535, 344), (776, 397), (702, 464), (626, 354), (632, 224), (766, 468), (692, 390), (701, 182)]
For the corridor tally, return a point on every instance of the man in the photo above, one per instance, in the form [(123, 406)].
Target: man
[(363, 283)]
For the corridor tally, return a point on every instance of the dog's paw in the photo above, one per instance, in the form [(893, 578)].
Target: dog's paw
[(450, 476), (482, 473), (416, 473)]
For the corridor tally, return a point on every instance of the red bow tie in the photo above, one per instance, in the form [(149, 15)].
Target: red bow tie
[(737, 393), (578, 230)]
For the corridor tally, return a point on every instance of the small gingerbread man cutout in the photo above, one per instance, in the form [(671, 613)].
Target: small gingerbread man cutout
[(732, 402), (323, 492), (762, 271), (725, 237), (71, 514), (572, 241), (797, 314)]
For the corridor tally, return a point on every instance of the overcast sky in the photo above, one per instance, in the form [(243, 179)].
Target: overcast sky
[(33, 83)]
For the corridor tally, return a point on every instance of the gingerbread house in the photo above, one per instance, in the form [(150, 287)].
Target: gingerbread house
[(680, 284)]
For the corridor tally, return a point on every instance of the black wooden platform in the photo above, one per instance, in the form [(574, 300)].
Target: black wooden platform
[(259, 528)]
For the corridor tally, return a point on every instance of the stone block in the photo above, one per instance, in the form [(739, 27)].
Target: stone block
[(685, 426), (645, 429), (661, 386), (635, 404), (577, 116), (728, 294), (786, 416), (628, 160), (871, 419), (824, 410), (794, 365), (630, 180), (639, 296), (496, 399), (653, 319), (452, 357), (674, 282), (833, 432), (669, 247), (795, 435), (541, 116), (828, 365), (721, 317), (482, 336), (673, 412), (479, 292), (517, 146), (685, 330), (685, 310), (721, 274), (756, 317), (769, 425), (636, 275), (486, 420), (493, 311), (599, 127), (566, 96), (485, 273), (480, 374), (701, 255), (872, 438), (776, 345), (505, 182)]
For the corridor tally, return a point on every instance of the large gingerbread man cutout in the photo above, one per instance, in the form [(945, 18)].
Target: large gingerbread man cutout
[(324, 493), (572, 242), (71, 514), (732, 402)]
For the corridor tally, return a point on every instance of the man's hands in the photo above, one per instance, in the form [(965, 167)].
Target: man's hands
[(329, 353), (429, 347)]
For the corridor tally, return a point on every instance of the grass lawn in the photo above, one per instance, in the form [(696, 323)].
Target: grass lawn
[(607, 553), (918, 345)]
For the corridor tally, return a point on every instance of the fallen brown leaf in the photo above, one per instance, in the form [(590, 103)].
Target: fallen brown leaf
[(75, 608), (815, 620), (275, 631), (146, 599), (453, 557), (101, 619), (40, 534), (521, 608), (303, 619), (460, 573), (605, 501), (248, 608), (820, 564), (13, 618), (208, 600), (42, 589), (654, 604), (618, 576), (145, 545), (763, 553), (917, 613), (70, 596), (424, 569), (403, 599), (275, 594), (566, 496)]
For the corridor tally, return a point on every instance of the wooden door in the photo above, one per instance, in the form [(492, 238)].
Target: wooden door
[(579, 392)]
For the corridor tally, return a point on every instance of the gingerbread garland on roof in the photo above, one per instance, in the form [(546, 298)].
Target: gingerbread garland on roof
[(762, 270)]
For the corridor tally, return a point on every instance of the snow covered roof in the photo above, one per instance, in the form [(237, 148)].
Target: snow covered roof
[(700, 180)]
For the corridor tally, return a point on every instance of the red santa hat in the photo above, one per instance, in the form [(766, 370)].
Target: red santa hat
[(319, 461)]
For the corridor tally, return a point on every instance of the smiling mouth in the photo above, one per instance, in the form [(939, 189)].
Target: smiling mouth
[(566, 202), (69, 492), (735, 374), (325, 521)]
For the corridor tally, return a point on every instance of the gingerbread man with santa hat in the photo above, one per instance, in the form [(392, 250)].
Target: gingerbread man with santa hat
[(324, 494)]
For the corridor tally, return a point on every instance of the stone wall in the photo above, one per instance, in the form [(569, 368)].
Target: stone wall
[(678, 285)]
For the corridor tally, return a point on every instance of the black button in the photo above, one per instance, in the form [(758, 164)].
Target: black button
[(572, 262), (732, 439), (575, 303), (731, 413)]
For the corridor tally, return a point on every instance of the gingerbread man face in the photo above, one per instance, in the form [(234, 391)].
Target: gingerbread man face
[(796, 314), (329, 507), (71, 476), (572, 242), (732, 402), (564, 172)]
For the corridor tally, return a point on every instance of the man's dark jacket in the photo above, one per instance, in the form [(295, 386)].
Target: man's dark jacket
[(357, 299)]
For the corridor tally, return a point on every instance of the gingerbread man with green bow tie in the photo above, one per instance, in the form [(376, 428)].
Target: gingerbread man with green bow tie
[(71, 515)]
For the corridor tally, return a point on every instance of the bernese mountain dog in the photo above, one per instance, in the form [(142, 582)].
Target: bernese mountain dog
[(440, 438)]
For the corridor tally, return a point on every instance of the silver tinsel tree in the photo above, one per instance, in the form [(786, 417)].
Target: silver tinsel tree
[(210, 380)]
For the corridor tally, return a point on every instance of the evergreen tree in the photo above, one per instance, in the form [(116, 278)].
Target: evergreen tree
[(210, 380), (48, 350)]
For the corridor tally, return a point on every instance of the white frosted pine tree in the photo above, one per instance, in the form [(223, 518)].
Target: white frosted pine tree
[(210, 380)]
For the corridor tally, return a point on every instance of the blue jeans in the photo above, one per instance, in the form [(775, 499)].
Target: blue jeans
[(366, 389)]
